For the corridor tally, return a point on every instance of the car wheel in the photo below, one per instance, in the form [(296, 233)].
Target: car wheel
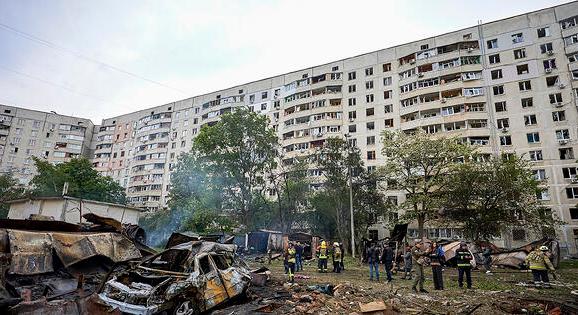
[(186, 308)]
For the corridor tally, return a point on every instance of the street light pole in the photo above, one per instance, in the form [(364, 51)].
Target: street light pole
[(350, 198)]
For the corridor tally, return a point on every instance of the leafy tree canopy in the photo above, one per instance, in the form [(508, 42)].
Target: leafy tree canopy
[(490, 196), (226, 170), (418, 165), (10, 189), (83, 181)]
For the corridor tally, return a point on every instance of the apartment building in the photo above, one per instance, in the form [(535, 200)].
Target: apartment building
[(508, 86), (25, 133)]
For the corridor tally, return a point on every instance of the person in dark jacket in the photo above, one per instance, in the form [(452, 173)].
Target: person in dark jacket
[(436, 260), (387, 260), (463, 258), (372, 257), (299, 257)]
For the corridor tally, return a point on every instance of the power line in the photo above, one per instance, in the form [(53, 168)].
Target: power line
[(84, 57), (54, 84)]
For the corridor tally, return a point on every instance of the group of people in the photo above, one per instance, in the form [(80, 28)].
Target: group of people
[(419, 256), (293, 258), (414, 258), (435, 257)]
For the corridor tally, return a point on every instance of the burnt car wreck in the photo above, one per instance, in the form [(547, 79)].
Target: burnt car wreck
[(188, 278)]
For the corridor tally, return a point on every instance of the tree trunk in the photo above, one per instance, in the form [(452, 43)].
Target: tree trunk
[(420, 225)]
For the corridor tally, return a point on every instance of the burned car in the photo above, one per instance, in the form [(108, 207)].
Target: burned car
[(188, 278)]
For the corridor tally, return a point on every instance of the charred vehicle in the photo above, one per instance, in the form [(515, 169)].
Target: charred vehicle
[(188, 278)]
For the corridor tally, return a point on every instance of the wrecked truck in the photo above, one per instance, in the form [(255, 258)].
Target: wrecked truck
[(188, 278)]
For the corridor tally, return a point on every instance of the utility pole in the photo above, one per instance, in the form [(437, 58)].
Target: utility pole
[(350, 197)]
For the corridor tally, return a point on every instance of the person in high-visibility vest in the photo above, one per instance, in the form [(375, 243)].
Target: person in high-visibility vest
[(539, 265), (336, 255), (291, 262), (322, 254), (463, 260)]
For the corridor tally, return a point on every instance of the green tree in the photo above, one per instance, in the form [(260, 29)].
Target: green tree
[(209, 221), (83, 181), (322, 215), (418, 165), (227, 167), (338, 161), (291, 188), (488, 197), (10, 189), (369, 203)]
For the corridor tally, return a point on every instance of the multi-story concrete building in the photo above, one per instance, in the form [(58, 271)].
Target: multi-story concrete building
[(508, 86), (25, 133)]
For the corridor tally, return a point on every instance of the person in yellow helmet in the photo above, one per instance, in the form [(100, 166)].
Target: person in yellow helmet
[(322, 255), (291, 262), (539, 264), (336, 255)]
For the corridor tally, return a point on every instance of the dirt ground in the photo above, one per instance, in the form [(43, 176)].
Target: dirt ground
[(503, 292)]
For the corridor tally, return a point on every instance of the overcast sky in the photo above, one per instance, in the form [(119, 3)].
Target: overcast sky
[(96, 59)]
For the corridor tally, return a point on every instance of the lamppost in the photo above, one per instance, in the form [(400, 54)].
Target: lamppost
[(350, 196)]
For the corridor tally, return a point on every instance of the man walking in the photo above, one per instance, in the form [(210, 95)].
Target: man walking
[(418, 255), (539, 265), (387, 260), (463, 259), (372, 256)]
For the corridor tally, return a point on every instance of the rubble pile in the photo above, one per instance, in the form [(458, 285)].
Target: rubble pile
[(103, 267), (53, 267), (278, 297)]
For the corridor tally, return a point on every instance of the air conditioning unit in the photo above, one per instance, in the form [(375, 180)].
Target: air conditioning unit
[(548, 70), (411, 62), (319, 135), (550, 52), (559, 104), (563, 141), (443, 100), (505, 129), (470, 49), (351, 119), (573, 179), (561, 85), (420, 74)]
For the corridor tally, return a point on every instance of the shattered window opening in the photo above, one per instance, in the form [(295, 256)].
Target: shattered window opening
[(205, 265), (220, 261)]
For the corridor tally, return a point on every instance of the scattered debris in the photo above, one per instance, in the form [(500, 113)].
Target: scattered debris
[(53, 267)]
